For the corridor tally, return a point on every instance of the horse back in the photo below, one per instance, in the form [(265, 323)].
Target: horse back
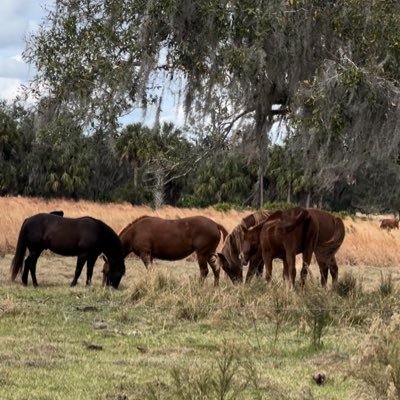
[(170, 239), (65, 236)]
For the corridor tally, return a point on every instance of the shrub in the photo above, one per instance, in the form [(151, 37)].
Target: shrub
[(278, 206)]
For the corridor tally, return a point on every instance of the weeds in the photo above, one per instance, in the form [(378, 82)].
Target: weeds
[(378, 361), (348, 286), (386, 286), (317, 314)]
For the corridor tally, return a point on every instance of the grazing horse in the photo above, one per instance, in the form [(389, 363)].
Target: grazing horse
[(287, 233), (228, 257), (173, 239), (84, 237), (389, 223)]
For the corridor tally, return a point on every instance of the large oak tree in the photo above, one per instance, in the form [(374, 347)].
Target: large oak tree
[(331, 66)]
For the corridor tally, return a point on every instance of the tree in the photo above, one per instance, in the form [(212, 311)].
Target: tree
[(332, 64), (59, 161)]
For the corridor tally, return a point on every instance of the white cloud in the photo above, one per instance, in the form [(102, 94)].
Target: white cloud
[(18, 19), (14, 67), (9, 88)]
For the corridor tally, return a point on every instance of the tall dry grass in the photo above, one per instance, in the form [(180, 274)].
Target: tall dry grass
[(365, 242)]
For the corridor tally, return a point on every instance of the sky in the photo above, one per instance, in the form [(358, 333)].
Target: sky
[(19, 19)]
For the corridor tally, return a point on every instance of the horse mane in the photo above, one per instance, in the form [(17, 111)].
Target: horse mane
[(123, 230), (255, 218), (233, 240)]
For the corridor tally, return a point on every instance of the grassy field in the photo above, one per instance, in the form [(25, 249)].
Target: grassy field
[(164, 336)]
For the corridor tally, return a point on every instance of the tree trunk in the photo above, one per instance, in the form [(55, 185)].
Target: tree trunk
[(158, 190), (308, 200), (289, 192), (135, 168), (262, 145)]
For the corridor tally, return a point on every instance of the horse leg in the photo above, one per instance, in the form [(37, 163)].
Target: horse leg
[(291, 261), (202, 261), (33, 262), (89, 269), (260, 268), (26, 270), (79, 266), (323, 263), (333, 267), (254, 268), (267, 260), (147, 260), (285, 271), (307, 254), (215, 268)]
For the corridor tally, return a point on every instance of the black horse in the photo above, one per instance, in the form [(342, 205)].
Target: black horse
[(84, 237)]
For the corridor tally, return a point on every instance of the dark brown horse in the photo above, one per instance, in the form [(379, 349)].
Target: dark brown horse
[(297, 230), (389, 223), (84, 237), (173, 239), (228, 257)]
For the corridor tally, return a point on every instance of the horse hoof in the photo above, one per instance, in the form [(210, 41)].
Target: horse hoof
[(73, 284)]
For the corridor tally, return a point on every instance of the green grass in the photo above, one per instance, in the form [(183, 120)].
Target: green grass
[(164, 336)]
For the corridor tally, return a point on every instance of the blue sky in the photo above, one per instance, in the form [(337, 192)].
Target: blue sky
[(18, 19)]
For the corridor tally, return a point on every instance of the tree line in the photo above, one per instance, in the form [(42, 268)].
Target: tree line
[(328, 70), (175, 166)]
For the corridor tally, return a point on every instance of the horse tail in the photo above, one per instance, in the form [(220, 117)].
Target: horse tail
[(16, 264), (223, 230)]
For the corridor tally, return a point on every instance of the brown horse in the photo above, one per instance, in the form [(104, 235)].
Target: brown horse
[(84, 237), (389, 223), (174, 239), (297, 230), (228, 257)]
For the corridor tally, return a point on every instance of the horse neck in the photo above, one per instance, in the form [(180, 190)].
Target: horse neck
[(112, 245), (126, 238)]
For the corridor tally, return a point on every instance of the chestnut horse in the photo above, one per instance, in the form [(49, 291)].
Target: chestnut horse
[(298, 230), (84, 237), (173, 239), (228, 257)]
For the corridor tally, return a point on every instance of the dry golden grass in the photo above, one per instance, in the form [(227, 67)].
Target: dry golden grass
[(365, 243)]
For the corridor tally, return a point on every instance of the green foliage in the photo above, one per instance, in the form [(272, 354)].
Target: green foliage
[(277, 206), (344, 214)]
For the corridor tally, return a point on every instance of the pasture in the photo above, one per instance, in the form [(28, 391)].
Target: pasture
[(164, 336)]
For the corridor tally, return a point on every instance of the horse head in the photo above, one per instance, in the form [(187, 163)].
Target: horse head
[(250, 242), (234, 271), (113, 271)]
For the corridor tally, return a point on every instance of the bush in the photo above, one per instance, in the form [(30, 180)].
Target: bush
[(278, 206)]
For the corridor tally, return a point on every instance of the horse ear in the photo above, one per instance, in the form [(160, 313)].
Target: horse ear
[(104, 258)]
